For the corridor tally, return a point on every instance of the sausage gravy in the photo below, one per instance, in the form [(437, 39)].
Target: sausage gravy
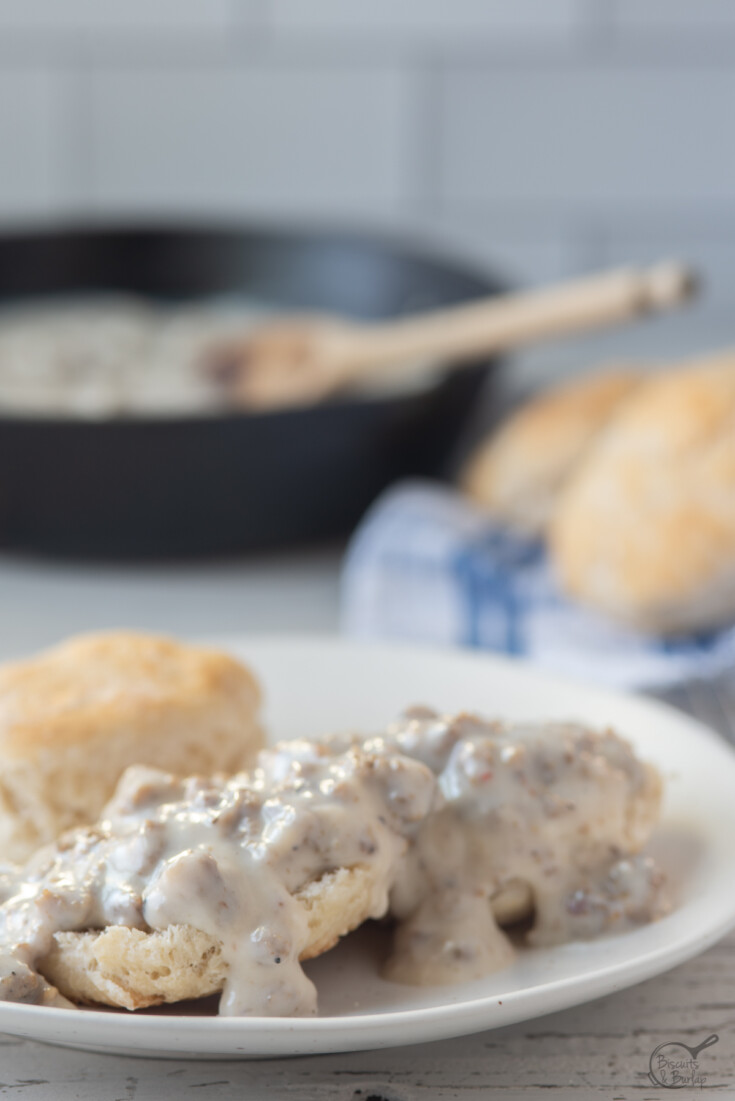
[(463, 824)]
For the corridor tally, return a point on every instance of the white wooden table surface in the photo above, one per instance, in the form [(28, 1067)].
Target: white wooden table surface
[(598, 1050)]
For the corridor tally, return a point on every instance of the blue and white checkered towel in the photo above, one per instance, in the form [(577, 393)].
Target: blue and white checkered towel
[(426, 566)]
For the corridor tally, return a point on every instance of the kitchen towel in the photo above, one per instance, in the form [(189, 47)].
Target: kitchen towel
[(426, 566)]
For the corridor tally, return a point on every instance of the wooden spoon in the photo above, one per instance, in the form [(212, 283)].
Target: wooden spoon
[(306, 359)]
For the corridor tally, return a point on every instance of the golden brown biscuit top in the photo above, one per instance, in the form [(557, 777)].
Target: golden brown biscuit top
[(678, 410), (649, 520), (77, 689), (519, 468), (582, 402)]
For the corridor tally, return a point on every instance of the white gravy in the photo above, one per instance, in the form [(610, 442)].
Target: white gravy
[(460, 821)]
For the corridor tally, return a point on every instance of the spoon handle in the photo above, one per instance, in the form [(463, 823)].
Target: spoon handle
[(496, 324)]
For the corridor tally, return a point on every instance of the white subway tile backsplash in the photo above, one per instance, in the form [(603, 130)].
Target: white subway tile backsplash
[(419, 21), (581, 136), (260, 138), (33, 139), (519, 251), (111, 17), (664, 18)]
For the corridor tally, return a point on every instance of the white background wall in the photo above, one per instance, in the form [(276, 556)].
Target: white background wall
[(544, 137)]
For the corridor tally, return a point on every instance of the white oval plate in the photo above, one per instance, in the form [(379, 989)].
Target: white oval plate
[(314, 685)]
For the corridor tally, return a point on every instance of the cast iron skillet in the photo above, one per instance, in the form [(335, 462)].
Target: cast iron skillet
[(188, 486)]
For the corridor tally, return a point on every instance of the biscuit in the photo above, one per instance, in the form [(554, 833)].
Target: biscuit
[(517, 473), (133, 969), (645, 530), (73, 718)]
